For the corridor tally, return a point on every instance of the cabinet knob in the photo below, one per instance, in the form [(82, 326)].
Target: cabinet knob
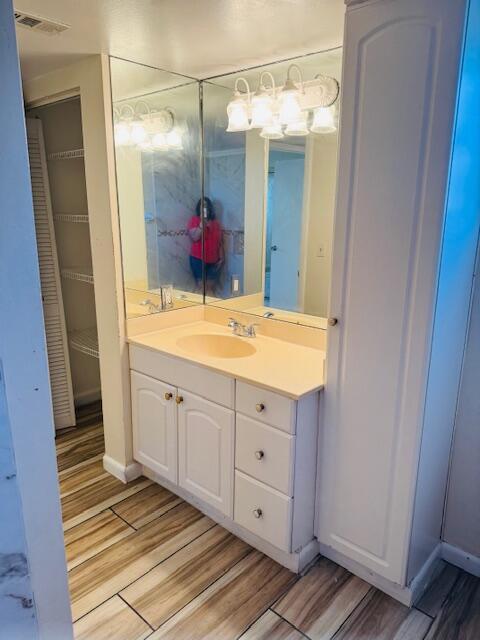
[(257, 513), (179, 399), (332, 322), (259, 407), (259, 455), (168, 395)]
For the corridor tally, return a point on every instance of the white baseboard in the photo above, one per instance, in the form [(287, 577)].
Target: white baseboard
[(125, 473), (422, 580), (462, 559), (396, 591)]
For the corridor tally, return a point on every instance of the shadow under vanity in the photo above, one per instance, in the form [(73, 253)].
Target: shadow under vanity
[(226, 235)]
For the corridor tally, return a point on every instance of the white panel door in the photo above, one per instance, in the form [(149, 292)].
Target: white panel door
[(286, 222), (206, 446), (154, 417), (400, 77)]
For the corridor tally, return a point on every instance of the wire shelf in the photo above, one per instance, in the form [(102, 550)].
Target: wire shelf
[(84, 274), (66, 155), (71, 217), (85, 341)]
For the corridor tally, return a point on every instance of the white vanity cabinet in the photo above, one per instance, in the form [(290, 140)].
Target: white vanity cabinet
[(244, 455)]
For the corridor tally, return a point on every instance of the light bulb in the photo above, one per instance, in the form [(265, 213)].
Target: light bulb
[(299, 127), (289, 107), (262, 111), (272, 131), (174, 139), (138, 133), (237, 112), (122, 134), (323, 120)]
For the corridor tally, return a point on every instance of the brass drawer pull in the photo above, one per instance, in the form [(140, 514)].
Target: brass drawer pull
[(179, 399), (257, 513), (259, 407), (168, 395), (259, 455)]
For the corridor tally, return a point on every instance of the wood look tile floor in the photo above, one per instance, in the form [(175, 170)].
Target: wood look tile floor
[(145, 564)]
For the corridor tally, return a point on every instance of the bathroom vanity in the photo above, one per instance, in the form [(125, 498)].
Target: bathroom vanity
[(234, 434)]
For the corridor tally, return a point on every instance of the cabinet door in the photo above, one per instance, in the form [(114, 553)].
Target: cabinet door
[(154, 418), (401, 62), (205, 444)]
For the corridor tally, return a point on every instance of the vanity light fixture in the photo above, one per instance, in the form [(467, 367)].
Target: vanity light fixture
[(238, 108), (263, 103), (285, 111)]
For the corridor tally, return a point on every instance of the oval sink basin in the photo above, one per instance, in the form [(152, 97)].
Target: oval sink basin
[(216, 346)]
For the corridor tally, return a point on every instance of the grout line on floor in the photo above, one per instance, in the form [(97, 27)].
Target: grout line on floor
[(352, 612), (208, 586), (135, 611), (291, 623), (143, 525), (123, 519)]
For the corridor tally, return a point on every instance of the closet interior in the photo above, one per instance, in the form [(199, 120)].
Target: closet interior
[(55, 141)]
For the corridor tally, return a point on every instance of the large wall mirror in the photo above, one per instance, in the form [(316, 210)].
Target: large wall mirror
[(224, 196), (271, 188), (157, 133)]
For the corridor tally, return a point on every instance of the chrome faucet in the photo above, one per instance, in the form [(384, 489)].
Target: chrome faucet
[(244, 330)]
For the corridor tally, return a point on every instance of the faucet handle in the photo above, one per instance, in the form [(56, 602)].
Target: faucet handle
[(232, 322), (250, 329)]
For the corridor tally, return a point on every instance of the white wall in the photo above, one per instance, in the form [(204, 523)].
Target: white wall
[(32, 557), (452, 308)]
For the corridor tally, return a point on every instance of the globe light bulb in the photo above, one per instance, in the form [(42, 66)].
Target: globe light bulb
[(262, 111), (122, 134)]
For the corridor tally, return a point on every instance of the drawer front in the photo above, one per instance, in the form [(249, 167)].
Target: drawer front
[(265, 453), (264, 511), (266, 406), (179, 373)]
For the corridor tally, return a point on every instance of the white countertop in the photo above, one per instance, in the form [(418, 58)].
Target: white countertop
[(291, 369)]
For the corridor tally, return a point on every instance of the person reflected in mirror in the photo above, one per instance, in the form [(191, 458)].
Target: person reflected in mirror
[(205, 220)]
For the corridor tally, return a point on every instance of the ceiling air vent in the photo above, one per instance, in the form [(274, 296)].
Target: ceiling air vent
[(35, 23)]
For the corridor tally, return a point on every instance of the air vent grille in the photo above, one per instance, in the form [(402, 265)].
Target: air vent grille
[(36, 23)]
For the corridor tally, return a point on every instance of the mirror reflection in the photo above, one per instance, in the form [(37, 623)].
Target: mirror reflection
[(158, 162), (226, 187), (270, 166)]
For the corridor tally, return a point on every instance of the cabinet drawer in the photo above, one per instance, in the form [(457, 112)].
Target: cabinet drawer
[(266, 406), (265, 453), (262, 510)]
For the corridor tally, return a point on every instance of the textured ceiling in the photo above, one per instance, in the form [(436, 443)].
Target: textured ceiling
[(199, 38)]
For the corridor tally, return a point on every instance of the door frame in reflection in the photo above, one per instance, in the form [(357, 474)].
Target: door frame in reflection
[(290, 296)]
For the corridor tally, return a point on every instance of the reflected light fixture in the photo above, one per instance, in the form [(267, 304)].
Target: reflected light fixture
[(238, 108), (299, 127), (263, 104), (290, 111), (273, 131), (324, 120)]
